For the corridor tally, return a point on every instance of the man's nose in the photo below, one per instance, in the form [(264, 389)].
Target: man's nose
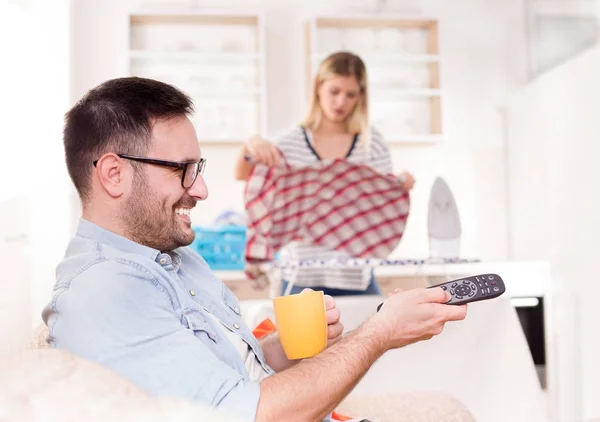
[(199, 189)]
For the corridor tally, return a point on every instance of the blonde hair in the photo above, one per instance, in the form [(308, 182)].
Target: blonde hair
[(342, 63)]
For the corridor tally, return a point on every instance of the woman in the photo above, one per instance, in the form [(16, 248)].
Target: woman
[(337, 126)]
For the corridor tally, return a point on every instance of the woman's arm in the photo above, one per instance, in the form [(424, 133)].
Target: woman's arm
[(242, 165), (260, 151)]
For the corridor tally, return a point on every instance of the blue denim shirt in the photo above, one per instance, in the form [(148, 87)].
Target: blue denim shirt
[(143, 313)]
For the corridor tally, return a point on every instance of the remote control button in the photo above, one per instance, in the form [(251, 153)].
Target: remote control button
[(496, 289), (459, 297), (444, 288), (472, 294), (454, 285), (483, 292), (477, 278), (466, 282), (489, 291), (452, 292), (463, 290), (494, 283), (487, 284), (490, 277)]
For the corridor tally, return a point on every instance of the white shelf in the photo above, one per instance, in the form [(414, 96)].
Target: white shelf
[(168, 11), (220, 93), (401, 92), (209, 57), (395, 19), (404, 139), (221, 141), (425, 139), (375, 58)]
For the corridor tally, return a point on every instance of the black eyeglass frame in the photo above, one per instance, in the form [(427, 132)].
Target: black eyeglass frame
[(200, 165)]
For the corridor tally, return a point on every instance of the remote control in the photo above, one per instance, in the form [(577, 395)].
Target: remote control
[(472, 289)]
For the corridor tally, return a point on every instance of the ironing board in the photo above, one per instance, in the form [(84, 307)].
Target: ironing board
[(277, 266)]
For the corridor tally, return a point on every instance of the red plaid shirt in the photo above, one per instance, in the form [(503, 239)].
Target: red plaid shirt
[(334, 203)]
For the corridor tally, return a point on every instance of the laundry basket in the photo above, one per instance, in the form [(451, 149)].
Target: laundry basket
[(222, 247)]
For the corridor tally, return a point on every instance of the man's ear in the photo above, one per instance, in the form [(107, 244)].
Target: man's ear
[(112, 174)]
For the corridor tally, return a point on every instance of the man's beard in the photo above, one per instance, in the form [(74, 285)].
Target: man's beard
[(148, 222)]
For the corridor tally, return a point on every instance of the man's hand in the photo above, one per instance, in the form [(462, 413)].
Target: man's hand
[(414, 315), (334, 326)]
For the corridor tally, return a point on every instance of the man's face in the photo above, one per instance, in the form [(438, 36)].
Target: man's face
[(157, 210)]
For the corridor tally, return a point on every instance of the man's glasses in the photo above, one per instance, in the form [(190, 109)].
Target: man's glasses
[(191, 170)]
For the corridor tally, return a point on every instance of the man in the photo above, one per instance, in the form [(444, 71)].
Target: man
[(129, 294)]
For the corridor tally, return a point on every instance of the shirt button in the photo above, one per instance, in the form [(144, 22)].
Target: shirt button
[(163, 261), (236, 326), (192, 292)]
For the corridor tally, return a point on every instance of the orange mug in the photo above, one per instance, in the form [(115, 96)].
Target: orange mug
[(301, 321)]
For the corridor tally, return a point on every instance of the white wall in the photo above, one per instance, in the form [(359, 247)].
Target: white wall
[(554, 128), (15, 279), (483, 59), (560, 29), (34, 78)]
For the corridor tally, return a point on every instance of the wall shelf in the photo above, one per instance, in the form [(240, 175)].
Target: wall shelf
[(403, 65), (396, 92), (388, 58), (217, 57), (207, 57)]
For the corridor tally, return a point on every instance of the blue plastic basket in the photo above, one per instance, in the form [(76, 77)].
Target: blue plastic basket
[(223, 248)]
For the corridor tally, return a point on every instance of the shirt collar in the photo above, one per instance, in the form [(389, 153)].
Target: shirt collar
[(90, 230)]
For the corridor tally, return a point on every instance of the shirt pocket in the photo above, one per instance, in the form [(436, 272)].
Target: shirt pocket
[(230, 300), (196, 322)]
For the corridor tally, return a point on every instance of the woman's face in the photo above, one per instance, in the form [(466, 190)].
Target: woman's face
[(338, 97)]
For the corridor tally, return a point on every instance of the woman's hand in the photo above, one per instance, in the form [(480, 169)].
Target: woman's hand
[(408, 181), (262, 151)]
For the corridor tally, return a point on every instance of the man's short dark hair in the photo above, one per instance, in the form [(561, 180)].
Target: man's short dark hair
[(117, 116)]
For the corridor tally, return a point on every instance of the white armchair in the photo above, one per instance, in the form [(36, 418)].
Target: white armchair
[(48, 384)]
